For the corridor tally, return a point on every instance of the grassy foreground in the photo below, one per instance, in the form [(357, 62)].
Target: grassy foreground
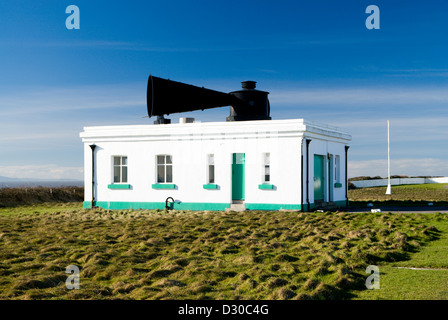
[(201, 255), (422, 277)]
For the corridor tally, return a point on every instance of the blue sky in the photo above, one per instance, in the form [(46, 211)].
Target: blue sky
[(316, 58)]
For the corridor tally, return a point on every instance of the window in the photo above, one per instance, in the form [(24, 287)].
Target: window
[(266, 168), (120, 169), (211, 168), (164, 169), (337, 169)]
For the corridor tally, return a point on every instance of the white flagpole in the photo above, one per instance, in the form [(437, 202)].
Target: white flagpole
[(388, 190)]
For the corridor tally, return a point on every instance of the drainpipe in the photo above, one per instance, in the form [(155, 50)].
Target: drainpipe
[(92, 146), (329, 177), (307, 173), (346, 177), (301, 175)]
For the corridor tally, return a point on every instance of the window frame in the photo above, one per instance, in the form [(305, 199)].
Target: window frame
[(337, 168), (121, 166), (164, 165), (266, 165), (211, 166)]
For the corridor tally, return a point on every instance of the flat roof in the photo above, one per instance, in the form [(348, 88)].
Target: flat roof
[(216, 130)]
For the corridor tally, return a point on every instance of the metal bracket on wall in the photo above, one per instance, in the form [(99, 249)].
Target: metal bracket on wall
[(166, 202)]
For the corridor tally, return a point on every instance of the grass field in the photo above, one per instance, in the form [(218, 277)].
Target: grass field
[(208, 255), (216, 255), (424, 276), (404, 195)]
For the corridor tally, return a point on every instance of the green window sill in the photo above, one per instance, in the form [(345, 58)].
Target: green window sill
[(338, 185), (266, 186), (164, 186), (119, 186), (210, 186)]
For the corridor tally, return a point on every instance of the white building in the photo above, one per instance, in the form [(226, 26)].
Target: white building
[(258, 165)]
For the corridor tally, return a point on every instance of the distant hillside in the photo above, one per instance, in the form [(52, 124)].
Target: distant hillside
[(11, 197), (5, 179)]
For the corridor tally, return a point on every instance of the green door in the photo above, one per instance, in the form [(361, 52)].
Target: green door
[(318, 177), (238, 176), (330, 177)]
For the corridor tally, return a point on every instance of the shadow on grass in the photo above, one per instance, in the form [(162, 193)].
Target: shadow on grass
[(403, 254)]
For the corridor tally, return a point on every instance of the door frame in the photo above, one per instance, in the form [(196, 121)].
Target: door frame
[(322, 186), (240, 178), (330, 179)]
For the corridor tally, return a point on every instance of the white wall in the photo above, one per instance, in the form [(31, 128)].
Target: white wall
[(190, 170), (189, 145), (437, 180), (323, 147)]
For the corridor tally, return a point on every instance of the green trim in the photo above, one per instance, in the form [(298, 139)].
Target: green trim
[(119, 186), (271, 206), (266, 186), (340, 203), (210, 186), (164, 186), (118, 205), (338, 185)]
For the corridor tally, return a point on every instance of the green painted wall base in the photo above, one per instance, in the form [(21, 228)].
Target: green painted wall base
[(118, 205), (340, 203), (271, 206), (199, 206)]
